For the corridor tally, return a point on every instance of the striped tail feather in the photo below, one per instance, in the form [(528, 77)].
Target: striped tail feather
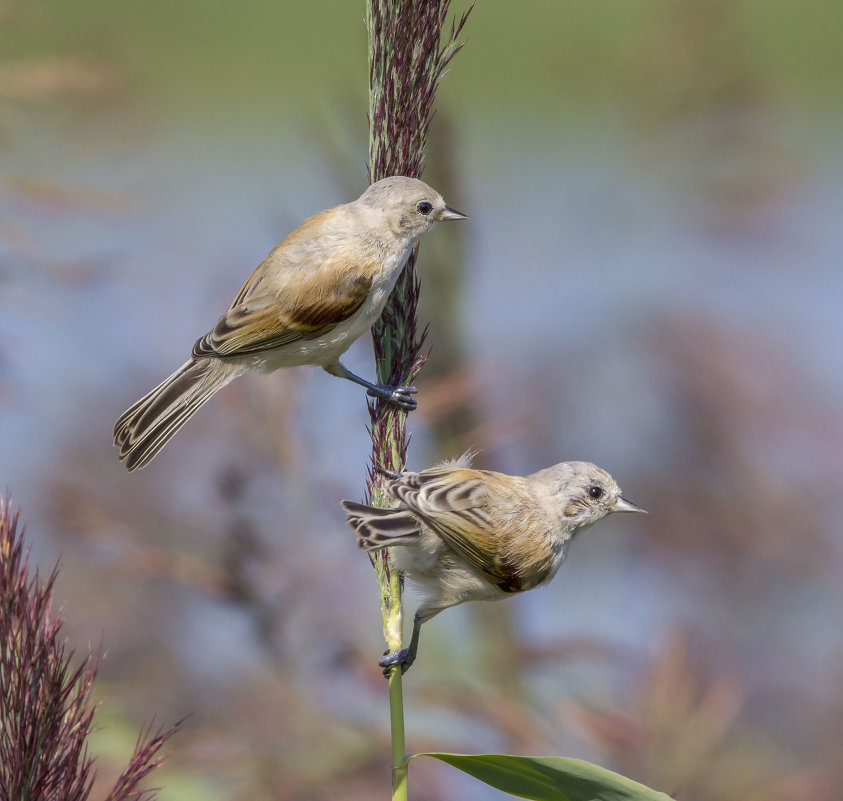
[(147, 426), (381, 528)]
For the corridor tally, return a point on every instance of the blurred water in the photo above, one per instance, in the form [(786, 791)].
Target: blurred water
[(570, 243)]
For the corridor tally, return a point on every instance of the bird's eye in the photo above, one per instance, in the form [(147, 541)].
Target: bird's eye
[(424, 207), (595, 492)]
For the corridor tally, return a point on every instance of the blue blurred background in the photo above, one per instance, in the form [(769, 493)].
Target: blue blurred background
[(650, 280)]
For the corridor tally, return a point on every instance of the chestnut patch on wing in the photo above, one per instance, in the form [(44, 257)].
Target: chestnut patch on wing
[(506, 576), (333, 308)]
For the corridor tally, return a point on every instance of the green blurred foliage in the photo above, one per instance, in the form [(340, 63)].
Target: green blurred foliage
[(547, 55)]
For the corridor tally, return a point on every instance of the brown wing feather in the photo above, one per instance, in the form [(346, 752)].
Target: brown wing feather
[(460, 506), (271, 323), (307, 248), (304, 287)]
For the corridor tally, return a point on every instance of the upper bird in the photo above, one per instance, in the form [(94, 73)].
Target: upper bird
[(316, 291), (473, 535)]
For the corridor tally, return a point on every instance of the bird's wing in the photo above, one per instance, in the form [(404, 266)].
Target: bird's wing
[(460, 506), (302, 289), (273, 320)]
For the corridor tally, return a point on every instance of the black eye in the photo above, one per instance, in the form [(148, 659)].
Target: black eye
[(595, 492), (424, 207)]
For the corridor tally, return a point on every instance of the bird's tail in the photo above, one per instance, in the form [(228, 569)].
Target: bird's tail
[(380, 528), (146, 427)]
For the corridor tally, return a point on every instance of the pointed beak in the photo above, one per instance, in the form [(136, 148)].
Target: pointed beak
[(451, 214), (623, 505)]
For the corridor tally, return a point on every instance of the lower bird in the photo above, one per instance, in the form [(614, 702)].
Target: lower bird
[(469, 535), (316, 292)]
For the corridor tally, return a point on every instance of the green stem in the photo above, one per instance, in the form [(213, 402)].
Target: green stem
[(393, 625), (396, 696), (399, 751), (390, 584)]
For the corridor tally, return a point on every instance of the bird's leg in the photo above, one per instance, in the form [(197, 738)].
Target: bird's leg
[(399, 396), (404, 656), (393, 474)]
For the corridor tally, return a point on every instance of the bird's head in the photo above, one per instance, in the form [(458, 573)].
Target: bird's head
[(410, 207), (583, 493)]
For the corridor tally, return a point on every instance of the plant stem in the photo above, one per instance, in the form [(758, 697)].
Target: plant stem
[(396, 705), (409, 50)]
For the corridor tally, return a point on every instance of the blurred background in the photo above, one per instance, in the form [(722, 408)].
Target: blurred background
[(650, 280)]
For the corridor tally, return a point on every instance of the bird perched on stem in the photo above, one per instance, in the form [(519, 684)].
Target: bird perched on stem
[(470, 535), (316, 292)]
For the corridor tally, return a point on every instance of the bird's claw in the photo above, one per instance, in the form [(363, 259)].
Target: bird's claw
[(403, 398), (402, 657), (398, 396)]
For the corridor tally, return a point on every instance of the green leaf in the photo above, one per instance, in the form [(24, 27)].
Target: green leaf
[(550, 778)]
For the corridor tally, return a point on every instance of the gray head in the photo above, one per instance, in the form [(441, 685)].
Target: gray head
[(585, 492), (411, 207)]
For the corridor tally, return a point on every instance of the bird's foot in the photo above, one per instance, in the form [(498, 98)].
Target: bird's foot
[(397, 396), (393, 474), (402, 657)]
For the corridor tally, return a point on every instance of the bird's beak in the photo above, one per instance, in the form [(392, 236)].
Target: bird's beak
[(451, 214), (623, 505)]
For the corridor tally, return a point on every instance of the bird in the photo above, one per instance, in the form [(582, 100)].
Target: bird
[(316, 291), (461, 534)]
